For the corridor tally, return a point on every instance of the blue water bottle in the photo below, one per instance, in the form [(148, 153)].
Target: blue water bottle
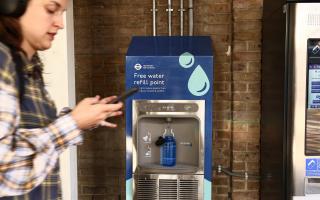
[(168, 150)]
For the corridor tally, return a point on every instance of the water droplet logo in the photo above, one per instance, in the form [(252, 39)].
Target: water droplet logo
[(198, 83), (186, 60), (137, 66)]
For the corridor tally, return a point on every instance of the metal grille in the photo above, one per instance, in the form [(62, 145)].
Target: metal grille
[(147, 189), (168, 189), (313, 19), (188, 189)]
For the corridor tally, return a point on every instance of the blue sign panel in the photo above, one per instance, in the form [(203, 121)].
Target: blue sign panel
[(171, 68), (313, 167)]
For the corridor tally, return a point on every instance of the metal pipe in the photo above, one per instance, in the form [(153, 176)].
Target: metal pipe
[(181, 10), (244, 175), (190, 9), (154, 18), (169, 10)]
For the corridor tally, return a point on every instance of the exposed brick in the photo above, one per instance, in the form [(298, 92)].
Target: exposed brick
[(246, 96), (239, 66), (254, 87), (220, 136), (222, 116), (222, 190), (253, 166), (222, 161), (222, 96), (246, 137), (239, 106), (253, 106), (222, 86), (253, 185), (222, 125), (221, 180), (254, 66), (239, 146), (240, 46), (247, 14), (220, 197), (254, 46), (247, 56), (246, 156), (208, 8), (93, 190), (222, 76), (222, 67), (245, 36), (222, 106), (247, 26), (224, 18), (239, 166), (239, 87), (246, 76), (221, 37), (247, 4), (245, 195), (238, 185), (221, 47), (254, 127), (219, 28)]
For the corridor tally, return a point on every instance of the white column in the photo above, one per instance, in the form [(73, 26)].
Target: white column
[(60, 79)]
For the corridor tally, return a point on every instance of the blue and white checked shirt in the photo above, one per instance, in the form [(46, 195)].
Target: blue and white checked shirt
[(37, 149)]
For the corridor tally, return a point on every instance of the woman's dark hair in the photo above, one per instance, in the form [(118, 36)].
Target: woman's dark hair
[(10, 32), (11, 35), (10, 28)]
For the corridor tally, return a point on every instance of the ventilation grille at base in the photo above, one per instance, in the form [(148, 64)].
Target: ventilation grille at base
[(147, 189), (167, 189), (188, 189)]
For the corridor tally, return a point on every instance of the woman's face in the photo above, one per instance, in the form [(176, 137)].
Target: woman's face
[(40, 23)]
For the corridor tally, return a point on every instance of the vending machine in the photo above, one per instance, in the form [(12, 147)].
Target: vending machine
[(290, 128), (169, 121)]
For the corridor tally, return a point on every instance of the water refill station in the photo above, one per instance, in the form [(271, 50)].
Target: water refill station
[(169, 121)]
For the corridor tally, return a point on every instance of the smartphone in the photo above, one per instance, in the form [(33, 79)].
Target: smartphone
[(124, 95)]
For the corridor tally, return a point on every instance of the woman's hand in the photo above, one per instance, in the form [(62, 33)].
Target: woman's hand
[(93, 111)]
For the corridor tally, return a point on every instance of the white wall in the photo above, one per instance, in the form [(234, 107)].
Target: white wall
[(60, 78)]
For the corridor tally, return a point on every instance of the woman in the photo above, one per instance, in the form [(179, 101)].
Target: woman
[(31, 136)]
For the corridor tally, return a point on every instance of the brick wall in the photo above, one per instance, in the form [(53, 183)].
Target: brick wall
[(246, 62), (103, 29)]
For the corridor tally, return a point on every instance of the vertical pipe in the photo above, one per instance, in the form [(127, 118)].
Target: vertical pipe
[(154, 18), (181, 17), (169, 16), (190, 17)]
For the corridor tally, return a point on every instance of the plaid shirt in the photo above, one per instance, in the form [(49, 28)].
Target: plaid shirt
[(37, 149)]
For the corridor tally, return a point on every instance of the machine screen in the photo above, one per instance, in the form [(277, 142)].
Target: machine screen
[(312, 137), (313, 73), (314, 86)]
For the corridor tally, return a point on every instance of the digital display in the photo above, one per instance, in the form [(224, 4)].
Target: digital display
[(314, 86), (312, 127), (313, 64)]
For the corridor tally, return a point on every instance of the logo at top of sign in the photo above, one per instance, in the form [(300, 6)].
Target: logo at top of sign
[(138, 66)]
